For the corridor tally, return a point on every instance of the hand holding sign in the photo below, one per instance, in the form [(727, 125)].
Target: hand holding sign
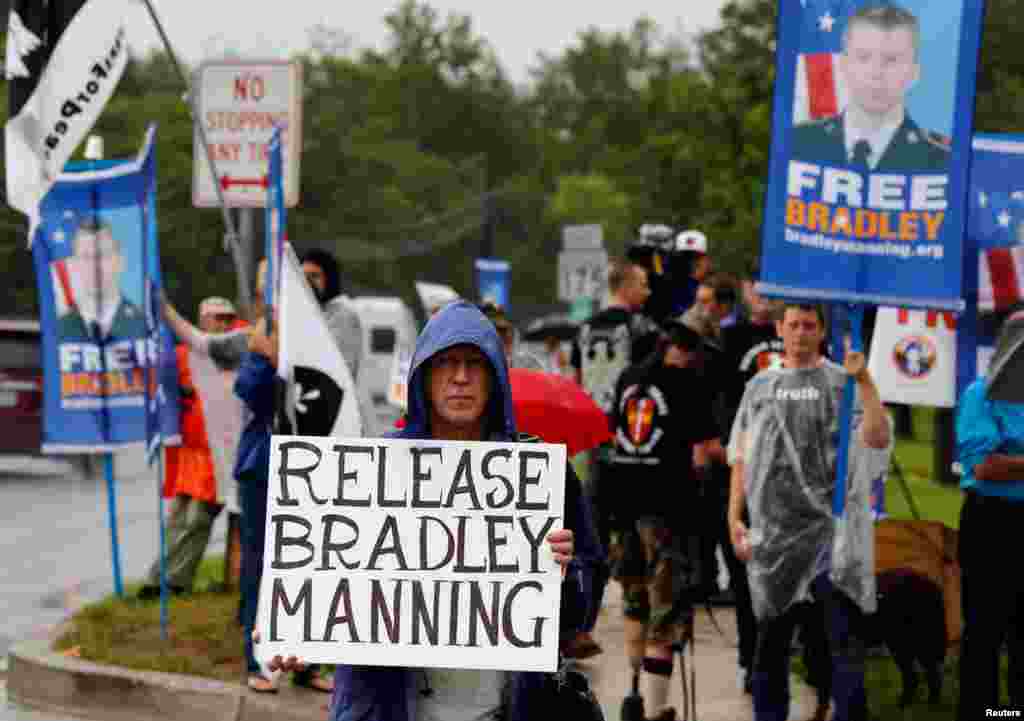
[(854, 363), (561, 544)]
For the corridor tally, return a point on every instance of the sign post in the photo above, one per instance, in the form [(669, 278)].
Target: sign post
[(582, 269)]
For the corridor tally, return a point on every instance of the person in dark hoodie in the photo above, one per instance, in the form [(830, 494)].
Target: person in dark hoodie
[(459, 390), (323, 275)]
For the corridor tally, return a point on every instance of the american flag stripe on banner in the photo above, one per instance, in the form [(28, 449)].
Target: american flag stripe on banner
[(819, 88), (996, 219), (999, 278)]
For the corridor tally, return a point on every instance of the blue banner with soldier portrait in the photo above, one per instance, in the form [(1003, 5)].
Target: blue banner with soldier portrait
[(109, 372), (866, 200)]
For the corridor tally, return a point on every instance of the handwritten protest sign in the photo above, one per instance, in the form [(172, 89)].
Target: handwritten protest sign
[(412, 553)]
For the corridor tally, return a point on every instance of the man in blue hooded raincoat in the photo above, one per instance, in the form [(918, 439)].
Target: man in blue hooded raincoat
[(459, 390)]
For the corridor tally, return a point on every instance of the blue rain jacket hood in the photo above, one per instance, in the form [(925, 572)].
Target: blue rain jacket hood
[(460, 323)]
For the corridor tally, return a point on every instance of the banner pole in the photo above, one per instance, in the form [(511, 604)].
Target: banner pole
[(163, 546), (275, 232), (115, 548), (856, 315), (231, 239), (153, 374), (94, 153)]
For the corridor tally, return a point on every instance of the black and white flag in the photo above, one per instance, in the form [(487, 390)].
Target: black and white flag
[(321, 398), (64, 60)]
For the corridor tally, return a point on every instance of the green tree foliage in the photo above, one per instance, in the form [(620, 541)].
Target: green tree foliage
[(407, 148), (1000, 101), (581, 198)]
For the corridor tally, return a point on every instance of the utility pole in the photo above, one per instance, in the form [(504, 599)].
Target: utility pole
[(246, 254), (487, 220), (487, 226)]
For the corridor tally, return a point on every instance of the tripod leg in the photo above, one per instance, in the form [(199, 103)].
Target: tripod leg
[(693, 679), (682, 676)]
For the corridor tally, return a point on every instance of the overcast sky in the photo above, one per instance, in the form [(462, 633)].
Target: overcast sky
[(517, 29)]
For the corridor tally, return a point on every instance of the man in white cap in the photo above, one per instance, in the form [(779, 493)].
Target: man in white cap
[(689, 265), (216, 315)]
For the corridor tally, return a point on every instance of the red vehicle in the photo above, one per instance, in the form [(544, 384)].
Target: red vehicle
[(21, 393)]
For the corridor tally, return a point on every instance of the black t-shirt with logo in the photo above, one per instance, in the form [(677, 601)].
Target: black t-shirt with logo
[(749, 349), (660, 414)]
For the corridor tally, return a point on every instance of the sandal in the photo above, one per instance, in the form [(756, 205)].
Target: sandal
[(261, 684), (313, 681)]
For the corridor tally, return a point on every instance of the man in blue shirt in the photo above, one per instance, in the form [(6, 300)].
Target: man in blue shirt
[(990, 447)]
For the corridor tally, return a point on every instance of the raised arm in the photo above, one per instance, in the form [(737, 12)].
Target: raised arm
[(185, 331), (875, 431)]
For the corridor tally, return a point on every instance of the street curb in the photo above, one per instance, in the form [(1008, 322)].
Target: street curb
[(41, 678)]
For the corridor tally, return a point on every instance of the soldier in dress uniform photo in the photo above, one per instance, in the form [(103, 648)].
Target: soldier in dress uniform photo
[(879, 64), (99, 310)]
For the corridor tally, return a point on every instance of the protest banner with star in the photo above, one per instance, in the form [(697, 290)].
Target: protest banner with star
[(996, 219), (995, 232), (873, 114), (110, 376)]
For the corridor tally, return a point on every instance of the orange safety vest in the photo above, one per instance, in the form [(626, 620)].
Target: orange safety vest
[(189, 469)]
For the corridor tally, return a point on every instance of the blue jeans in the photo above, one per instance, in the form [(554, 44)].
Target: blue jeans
[(844, 625), (252, 530)]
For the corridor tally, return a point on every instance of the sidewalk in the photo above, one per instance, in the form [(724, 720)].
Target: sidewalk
[(39, 678), (719, 696)]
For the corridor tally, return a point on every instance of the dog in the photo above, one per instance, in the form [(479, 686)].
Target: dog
[(911, 623)]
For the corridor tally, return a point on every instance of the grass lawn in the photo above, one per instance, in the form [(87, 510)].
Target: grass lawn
[(204, 636), (934, 501)]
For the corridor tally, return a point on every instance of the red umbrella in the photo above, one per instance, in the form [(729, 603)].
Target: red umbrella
[(555, 409)]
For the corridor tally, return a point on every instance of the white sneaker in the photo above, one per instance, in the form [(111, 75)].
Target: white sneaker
[(273, 676), (743, 680)]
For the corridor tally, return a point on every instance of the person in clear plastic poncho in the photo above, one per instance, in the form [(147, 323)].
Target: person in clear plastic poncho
[(783, 455)]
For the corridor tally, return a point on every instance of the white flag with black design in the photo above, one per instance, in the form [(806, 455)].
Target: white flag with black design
[(64, 60), (321, 398)]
